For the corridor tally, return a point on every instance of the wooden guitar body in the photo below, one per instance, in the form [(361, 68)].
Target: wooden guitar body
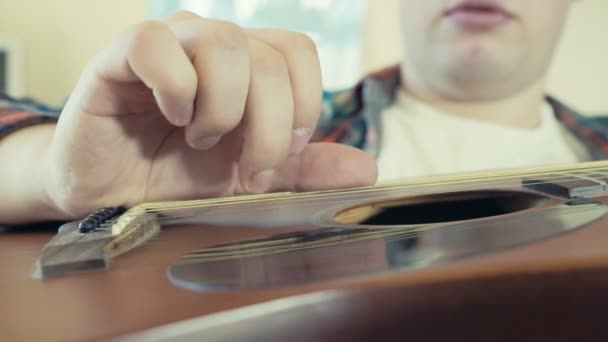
[(470, 258)]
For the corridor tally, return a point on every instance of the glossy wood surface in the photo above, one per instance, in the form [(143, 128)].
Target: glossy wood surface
[(564, 305), (135, 294)]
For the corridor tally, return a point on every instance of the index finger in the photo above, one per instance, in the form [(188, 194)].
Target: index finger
[(150, 53)]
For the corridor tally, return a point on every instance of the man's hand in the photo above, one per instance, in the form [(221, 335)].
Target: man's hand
[(190, 108)]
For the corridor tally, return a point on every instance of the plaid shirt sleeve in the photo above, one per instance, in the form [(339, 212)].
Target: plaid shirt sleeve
[(14, 115), (20, 113)]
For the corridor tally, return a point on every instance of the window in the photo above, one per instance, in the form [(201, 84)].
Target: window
[(334, 25), (11, 73)]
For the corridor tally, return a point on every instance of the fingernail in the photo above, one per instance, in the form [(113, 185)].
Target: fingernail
[(207, 142), (260, 182), (299, 140)]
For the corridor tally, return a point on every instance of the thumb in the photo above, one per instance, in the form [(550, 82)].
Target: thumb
[(325, 166)]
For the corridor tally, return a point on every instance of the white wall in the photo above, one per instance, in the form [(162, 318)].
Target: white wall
[(59, 36)]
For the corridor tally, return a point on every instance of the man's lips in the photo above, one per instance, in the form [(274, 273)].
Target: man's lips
[(478, 14)]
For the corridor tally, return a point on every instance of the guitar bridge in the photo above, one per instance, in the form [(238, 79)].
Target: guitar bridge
[(91, 243)]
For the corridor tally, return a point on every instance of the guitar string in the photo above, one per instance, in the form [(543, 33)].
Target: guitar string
[(296, 202), (411, 231), (348, 195), (348, 192), (253, 206)]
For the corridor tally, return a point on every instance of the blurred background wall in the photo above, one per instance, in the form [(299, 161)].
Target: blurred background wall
[(59, 36)]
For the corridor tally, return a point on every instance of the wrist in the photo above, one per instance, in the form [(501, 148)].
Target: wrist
[(26, 161), (43, 193)]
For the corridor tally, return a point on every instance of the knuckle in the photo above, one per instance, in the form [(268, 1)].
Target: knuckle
[(147, 31), (303, 42), (183, 15), (272, 63), (226, 35)]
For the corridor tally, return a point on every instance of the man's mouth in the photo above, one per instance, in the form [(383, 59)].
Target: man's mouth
[(479, 14)]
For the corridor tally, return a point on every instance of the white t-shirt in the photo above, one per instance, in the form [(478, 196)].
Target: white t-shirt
[(420, 141)]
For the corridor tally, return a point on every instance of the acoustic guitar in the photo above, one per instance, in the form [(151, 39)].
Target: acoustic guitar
[(491, 256)]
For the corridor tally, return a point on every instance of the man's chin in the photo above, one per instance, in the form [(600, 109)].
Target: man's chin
[(475, 83)]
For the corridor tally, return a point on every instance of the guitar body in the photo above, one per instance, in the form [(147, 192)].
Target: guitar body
[(334, 265)]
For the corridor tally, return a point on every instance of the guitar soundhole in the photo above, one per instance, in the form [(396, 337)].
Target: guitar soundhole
[(441, 208)]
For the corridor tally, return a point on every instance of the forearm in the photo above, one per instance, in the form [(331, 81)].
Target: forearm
[(23, 160)]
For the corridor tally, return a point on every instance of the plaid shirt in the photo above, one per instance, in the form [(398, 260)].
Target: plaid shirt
[(351, 116), (15, 114)]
